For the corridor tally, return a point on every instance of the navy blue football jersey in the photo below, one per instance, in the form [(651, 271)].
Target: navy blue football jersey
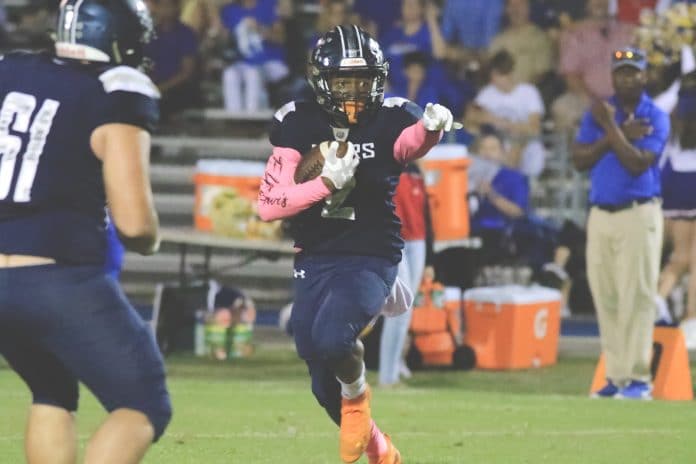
[(52, 199), (360, 218)]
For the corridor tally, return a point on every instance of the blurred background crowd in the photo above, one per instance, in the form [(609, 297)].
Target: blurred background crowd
[(518, 74), (514, 65)]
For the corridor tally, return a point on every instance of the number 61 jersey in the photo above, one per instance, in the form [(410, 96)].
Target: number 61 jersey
[(52, 199), (360, 218)]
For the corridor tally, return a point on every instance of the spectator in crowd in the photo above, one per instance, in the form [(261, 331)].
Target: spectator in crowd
[(515, 109), (259, 34), (663, 5), (585, 63), (418, 31), (566, 269), (628, 11), (531, 46), (333, 13), (31, 29), (679, 193), (471, 24), (620, 142), (556, 15), (419, 87), (3, 25), (203, 17), (174, 56), (514, 235), (380, 13), (411, 203), (501, 200)]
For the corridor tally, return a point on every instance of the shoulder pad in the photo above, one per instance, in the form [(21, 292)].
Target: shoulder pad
[(404, 104), (285, 110), (393, 102), (127, 79)]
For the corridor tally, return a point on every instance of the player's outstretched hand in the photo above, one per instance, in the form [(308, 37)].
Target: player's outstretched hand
[(437, 117), (339, 170)]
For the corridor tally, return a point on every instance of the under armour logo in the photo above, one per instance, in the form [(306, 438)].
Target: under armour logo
[(298, 274)]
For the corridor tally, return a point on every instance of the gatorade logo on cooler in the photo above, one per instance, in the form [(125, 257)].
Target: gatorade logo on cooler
[(541, 323)]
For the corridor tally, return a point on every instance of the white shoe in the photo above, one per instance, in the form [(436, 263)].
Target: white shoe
[(688, 326), (662, 311), (404, 371)]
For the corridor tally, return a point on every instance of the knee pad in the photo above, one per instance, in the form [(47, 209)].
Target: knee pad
[(332, 345)]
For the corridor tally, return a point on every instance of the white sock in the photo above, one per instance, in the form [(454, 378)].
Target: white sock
[(353, 390)]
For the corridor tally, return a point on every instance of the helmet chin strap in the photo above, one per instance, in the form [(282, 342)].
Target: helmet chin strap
[(117, 53)]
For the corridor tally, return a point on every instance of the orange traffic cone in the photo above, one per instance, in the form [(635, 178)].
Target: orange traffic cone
[(670, 367)]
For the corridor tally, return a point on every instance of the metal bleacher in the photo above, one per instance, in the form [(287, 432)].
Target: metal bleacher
[(560, 193), (173, 165)]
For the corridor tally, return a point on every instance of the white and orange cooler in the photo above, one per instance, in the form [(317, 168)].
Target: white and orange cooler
[(512, 326), (445, 171), (226, 194)]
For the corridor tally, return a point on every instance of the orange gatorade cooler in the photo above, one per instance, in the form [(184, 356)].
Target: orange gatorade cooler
[(513, 327), (226, 193), (445, 171)]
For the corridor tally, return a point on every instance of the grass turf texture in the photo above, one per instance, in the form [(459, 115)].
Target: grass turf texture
[(260, 410)]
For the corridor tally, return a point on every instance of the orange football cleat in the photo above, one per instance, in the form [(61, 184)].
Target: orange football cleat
[(356, 425), (392, 456)]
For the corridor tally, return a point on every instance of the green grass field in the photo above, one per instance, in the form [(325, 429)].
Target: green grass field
[(260, 410)]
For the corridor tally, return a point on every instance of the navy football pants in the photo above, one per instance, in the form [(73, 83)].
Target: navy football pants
[(336, 297), (64, 324)]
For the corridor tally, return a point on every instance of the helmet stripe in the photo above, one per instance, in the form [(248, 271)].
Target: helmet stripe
[(343, 41), (357, 37), (73, 31), (61, 18)]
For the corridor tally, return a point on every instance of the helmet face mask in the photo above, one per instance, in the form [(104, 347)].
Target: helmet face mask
[(352, 91), (347, 71), (104, 31)]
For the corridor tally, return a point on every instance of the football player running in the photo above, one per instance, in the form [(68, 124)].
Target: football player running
[(343, 221), (74, 136)]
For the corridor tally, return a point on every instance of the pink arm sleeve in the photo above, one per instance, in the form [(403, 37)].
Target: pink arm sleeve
[(279, 196), (414, 142)]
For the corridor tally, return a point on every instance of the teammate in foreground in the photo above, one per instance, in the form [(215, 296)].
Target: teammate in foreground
[(74, 135), (344, 220)]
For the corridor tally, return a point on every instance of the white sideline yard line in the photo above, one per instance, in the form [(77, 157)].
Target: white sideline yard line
[(451, 434), (292, 434)]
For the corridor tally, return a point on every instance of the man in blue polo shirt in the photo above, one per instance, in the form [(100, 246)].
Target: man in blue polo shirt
[(620, 141)]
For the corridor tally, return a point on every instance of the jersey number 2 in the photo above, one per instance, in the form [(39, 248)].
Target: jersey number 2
[(20, 107), (333, 206)]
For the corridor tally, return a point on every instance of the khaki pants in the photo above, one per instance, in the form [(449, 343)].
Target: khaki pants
[(623, 265)]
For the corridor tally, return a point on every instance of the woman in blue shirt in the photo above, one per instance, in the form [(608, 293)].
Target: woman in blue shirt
[(418, 31), (505, 198)]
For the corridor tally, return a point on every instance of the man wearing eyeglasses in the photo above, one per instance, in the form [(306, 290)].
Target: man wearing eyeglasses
[(619, 142)]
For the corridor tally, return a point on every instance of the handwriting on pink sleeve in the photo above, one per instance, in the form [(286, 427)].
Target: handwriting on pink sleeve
[(279, 195)]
